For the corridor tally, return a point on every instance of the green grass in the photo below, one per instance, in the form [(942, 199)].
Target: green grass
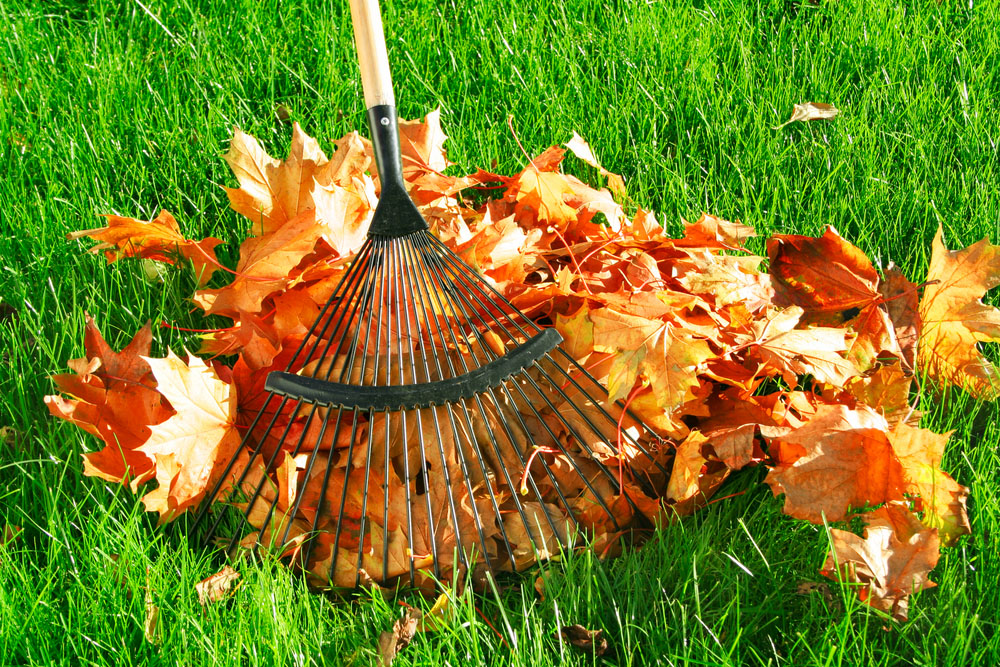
[(126, 107)]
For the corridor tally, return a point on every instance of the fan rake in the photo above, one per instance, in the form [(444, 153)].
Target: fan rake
[(424, 425)]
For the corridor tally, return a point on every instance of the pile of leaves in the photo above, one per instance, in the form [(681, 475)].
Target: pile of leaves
[(808, 366)]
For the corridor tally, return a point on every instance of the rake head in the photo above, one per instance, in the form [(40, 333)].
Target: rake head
[(425, 426)]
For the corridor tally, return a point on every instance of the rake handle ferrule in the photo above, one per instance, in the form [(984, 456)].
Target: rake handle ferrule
[(385, 142)]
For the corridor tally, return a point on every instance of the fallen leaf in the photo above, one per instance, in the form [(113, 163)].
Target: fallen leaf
[(810, 111), (840, 459), (9, 534), (152, 629), (403, 630), (892, 561), (216, 587), (192, 447), (955, 320), (588, 641), (158, 239)]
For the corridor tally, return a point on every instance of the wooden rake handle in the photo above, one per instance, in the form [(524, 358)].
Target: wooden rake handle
[(370, 40)]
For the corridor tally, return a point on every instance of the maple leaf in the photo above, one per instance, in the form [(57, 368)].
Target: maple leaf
[(580, 148), (822, 274), (193, 445), (893, 560), (954, 319), (688, 462), (840, 459), (216, 587), (265, 265), (158, 239), (711, 232), (113, 396), (272, 192), (795, 351), (667, 356), (942, 498), (542, 196)]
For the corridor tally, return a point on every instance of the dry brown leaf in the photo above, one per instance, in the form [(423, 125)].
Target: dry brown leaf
[(9, 534), (588, 641), (216, 587), (810, 111), (152, 629), (892, 561), (403, 630)]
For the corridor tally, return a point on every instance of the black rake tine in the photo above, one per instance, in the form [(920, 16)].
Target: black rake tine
[(371, 413), (408, 252), (596, 403), (402, 380), (237, 485), (343, 498), (309, 468), (444, 283), (359, 260), (211, 497), (346, 314), (434, 323), (496, 449)]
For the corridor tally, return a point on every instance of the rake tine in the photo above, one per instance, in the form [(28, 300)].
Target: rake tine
[(409, 290), (635, 443), (572, 430), (354, 271)]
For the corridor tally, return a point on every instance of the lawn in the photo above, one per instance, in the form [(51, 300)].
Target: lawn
[(126, 107)]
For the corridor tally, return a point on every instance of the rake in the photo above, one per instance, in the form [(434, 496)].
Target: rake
[(424, 426)]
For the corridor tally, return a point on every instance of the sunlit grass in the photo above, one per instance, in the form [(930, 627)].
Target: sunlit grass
[(126, 107)]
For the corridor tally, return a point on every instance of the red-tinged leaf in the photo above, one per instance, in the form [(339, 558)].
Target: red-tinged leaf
[(822, 274), (158, 239), (113, 396)]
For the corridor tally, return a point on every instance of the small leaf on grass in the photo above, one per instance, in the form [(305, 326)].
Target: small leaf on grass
[(219, 585), (437, 617), (9, 533), (540, 588), (392, 642), (8, 436), (584, 639), (151, 625), (810, 111)]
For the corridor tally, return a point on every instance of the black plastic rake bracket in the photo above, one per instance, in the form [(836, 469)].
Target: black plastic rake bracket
[(419, 395)]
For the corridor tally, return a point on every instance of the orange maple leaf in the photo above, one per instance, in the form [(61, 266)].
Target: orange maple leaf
[(893, 559), (955, 319), (159, 239), (113, 396)]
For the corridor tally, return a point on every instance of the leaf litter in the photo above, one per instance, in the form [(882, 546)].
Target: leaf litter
[(806, 368)]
